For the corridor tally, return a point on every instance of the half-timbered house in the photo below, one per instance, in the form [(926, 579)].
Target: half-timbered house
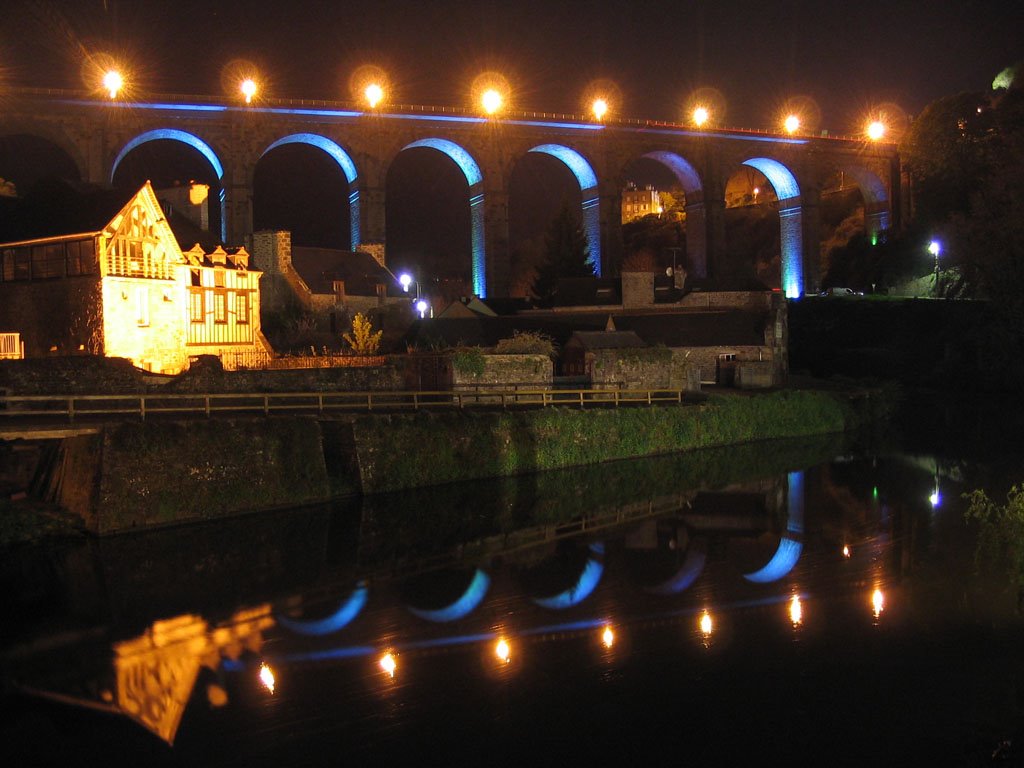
[(119, 285)]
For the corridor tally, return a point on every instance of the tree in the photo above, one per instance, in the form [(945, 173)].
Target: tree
[(362, 339), (566, 253)]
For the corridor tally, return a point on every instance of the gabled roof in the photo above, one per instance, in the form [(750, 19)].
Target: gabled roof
[(320, 267)]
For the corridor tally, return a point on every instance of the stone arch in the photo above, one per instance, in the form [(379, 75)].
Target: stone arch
[(587, 180), (790, 221), (474, 178), (876, 198), (174, 134), (696, 216), (344, 161), (55, 136)]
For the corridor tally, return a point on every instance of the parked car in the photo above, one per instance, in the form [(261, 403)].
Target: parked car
[(841, 292)]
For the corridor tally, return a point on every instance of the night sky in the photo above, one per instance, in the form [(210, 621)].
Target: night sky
[(846, 56)]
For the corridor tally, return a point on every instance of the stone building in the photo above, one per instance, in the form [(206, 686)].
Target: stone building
[(637, 203), (95, 274)]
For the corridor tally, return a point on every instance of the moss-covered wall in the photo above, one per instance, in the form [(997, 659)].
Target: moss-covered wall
[(157, 473), (460, 446)]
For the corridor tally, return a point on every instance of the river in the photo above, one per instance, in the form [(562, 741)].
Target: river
[(815, 602)]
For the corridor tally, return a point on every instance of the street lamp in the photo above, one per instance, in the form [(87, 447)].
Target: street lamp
[(405, 280), (600, 108), (113, 82), (248, 89), (374, 94), (422, 306), (491, 101), (791, 124), (935, 248), (876, 130), (700, 116)]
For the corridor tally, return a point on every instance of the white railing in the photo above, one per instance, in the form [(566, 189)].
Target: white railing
[(11, 346)]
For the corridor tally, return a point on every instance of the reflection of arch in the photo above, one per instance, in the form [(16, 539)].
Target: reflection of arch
[(790, 222), (474, 177), (463, 606), (692, 567), (347, 611), (173, 134), (789, 549), (585, 584), (341, 157), (696, 221), (876, 198), (587, 180)]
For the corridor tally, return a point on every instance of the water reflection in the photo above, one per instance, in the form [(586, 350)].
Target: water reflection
[(510, 575)]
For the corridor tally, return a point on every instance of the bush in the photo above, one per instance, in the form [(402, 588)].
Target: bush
[(527, 343)]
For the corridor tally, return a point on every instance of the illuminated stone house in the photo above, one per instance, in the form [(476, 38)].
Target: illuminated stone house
[(119, 285)]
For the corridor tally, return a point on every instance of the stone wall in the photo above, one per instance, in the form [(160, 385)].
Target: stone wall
[(144, 321), (504, 371), (760, 301)]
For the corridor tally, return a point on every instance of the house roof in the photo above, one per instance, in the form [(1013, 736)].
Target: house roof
[(320, 267), (606, 340)]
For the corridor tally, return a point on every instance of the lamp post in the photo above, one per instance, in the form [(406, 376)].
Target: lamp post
[(935, 248)]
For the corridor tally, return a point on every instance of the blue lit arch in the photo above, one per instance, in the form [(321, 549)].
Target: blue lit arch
[(587, 582), (788, 552), (685, 173), (587, 180), (344, 161), (790, 222), (465, 604), (347, 611), (471, 170), (683, 579), (173, 134)]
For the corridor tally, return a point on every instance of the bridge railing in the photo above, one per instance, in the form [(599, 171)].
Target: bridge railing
[(70, 408)]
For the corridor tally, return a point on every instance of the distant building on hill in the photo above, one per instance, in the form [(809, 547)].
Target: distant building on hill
[(637, 203)]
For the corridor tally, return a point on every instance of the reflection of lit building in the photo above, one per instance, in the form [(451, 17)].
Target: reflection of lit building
[(98, 275), (637, 203)]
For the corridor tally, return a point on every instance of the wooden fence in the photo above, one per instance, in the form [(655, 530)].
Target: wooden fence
[(68, 408)]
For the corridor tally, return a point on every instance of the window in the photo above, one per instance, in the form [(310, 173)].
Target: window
[(196, 308), (47, 261), (218, 278), (241, 308), (81, 258), (142, 305), (220, 307)]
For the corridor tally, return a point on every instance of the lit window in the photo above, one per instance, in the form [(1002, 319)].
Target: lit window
[(241, 308), (196, 310), (220, 307), (142, 305)]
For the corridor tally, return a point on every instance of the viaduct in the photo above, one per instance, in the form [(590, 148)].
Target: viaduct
[(99, 134)]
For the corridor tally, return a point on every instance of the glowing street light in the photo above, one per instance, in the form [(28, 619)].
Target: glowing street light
[(502, 651), (608, 637), (422, 306), (599, 108), (876, 130), (700, 116), (405, 280), (374, 95), (877, 603), (491, 101), (791, 124), (846, 550), (248, 88), (267, 677), (113, 82)]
